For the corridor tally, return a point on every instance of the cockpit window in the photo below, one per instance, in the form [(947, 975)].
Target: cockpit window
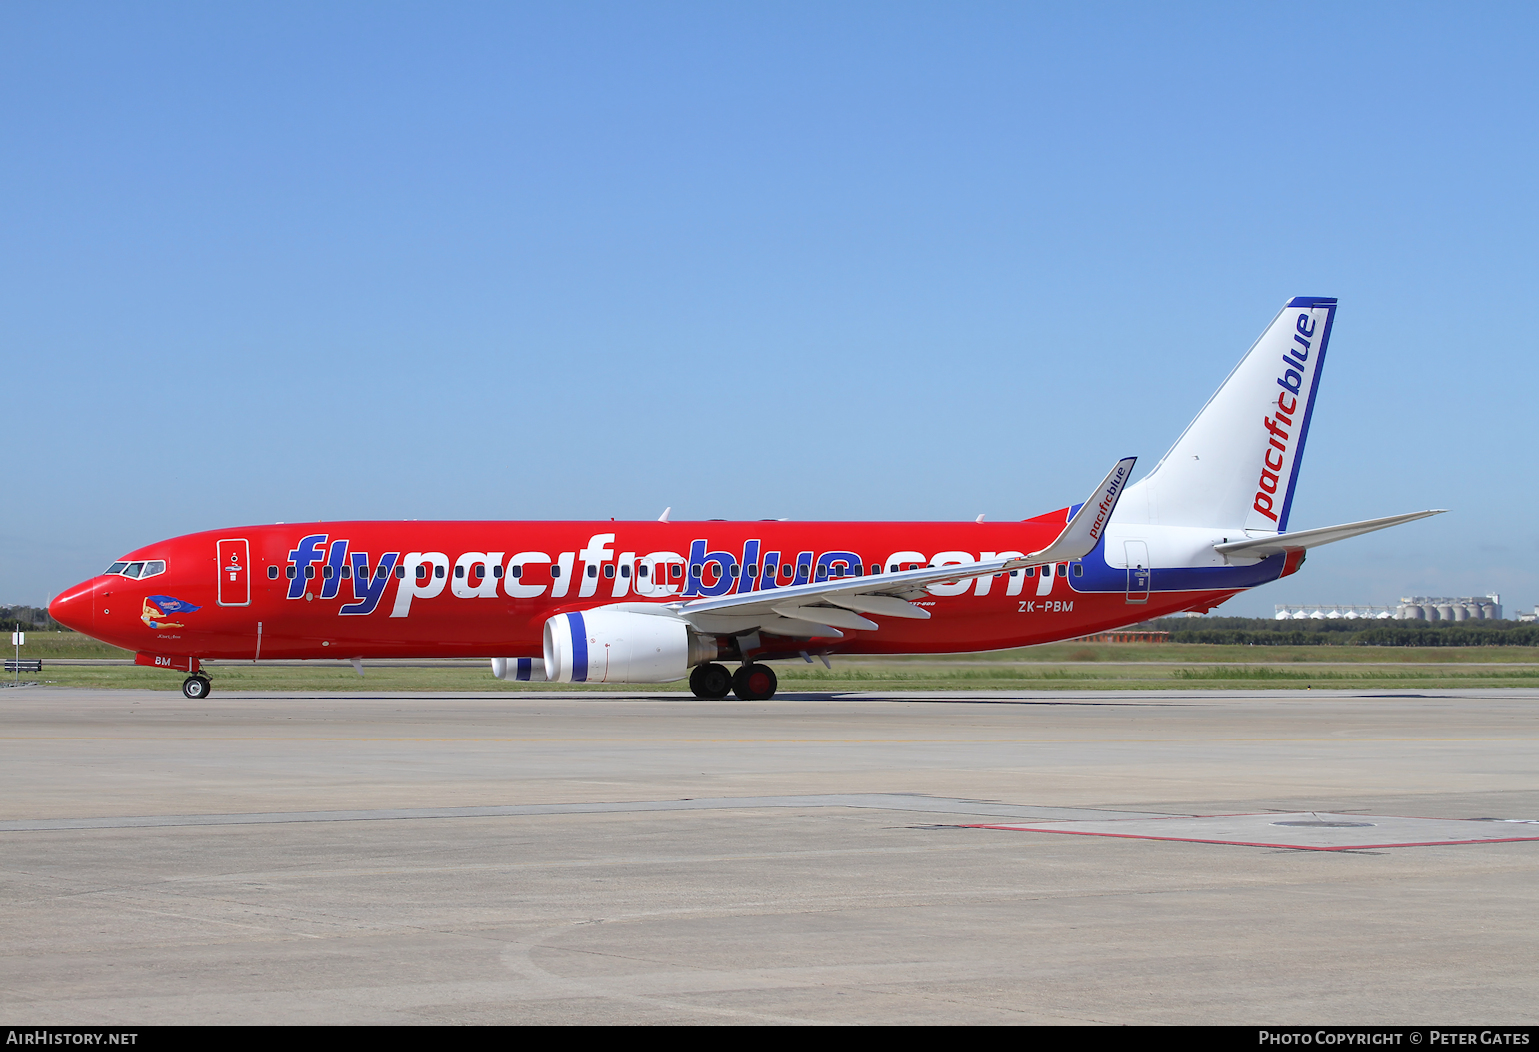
[(139, 569)]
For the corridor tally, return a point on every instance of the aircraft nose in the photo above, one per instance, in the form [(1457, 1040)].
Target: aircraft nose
[(75, 607)]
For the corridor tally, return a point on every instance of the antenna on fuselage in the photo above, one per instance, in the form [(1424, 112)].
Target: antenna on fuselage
[(664, 516)]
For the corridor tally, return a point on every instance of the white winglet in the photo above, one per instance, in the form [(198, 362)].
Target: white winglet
[(1083, 532)]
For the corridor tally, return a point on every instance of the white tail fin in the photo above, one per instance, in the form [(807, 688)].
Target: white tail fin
[(1236, 465)]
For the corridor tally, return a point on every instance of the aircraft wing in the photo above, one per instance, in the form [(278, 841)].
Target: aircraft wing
[(1261, 547), (821, 608)]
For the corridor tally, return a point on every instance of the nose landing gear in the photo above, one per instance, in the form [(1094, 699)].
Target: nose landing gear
[(197, 687)]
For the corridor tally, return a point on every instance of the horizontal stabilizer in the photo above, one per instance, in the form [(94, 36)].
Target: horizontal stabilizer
[(1261, 547)]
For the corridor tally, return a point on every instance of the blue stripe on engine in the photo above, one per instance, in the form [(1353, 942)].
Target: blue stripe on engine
[(524, 667), (579, 632)]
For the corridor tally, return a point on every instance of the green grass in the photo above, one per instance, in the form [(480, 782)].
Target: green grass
[(47, 645), (1056, 666)]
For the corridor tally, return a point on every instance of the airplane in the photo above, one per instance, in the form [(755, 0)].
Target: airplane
[(656, 602)]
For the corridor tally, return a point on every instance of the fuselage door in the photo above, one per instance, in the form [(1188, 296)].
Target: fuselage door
[(234, 573), (1138, 571)]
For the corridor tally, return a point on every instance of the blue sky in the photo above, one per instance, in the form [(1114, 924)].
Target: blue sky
[(887, 261)]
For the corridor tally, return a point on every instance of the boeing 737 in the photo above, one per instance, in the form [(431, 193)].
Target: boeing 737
[(655, 602)]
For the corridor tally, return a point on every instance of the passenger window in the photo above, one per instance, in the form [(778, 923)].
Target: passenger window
[(517, 570), (497, 571), (609, 569), (735, 570), (310, 572), (592, 570), (289, 572), (438, 571), (641, 571), (400, 573), (347, 573), (555, 569), (1031, 571), (328, 571), (459, 572), (625, 571), (678, 571), (1079, 569), (421, 572), (694, 570), (272, 573)]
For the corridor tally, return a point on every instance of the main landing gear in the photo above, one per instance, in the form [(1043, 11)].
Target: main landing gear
[(710, 681), (197, 686), (750, 683), (754, 683)]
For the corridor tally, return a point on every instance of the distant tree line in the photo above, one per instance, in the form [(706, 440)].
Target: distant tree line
[(32, 619), (1260, 631)]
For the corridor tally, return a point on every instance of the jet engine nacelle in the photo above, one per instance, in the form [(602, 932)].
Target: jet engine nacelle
[(615, 646)]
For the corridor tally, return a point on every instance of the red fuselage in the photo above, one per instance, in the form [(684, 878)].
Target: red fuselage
[(486, 589)]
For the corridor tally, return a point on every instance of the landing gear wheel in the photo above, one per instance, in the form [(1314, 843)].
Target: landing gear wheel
[(754, 683), (196, 687), (710, 681)]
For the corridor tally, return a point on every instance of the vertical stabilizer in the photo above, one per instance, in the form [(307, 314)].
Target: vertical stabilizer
[(1236, 465)]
